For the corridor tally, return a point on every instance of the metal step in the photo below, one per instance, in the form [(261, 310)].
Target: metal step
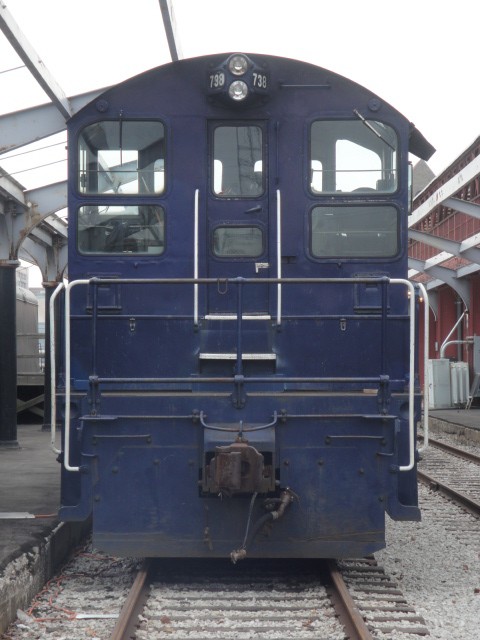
[(233, 316), (233, 356)]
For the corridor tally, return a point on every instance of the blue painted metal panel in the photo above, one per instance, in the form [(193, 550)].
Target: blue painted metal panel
[(159, 422)]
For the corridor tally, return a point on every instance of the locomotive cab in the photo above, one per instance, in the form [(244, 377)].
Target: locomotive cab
[(239, 338)]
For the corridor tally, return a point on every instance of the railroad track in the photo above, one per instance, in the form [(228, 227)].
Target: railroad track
[(277, 599), (254, 599), (206, 599), (452, 471)]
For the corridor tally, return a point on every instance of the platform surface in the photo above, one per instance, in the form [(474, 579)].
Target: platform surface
[(463, 417), (29, 484)]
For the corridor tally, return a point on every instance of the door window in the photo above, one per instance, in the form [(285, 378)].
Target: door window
[(237, 161), (238, 242)]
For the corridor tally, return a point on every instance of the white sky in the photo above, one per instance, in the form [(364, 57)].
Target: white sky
[(415, 54), (422, 61)]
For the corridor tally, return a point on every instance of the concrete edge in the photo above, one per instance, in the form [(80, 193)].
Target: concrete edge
[(25, 576), (436, 425)]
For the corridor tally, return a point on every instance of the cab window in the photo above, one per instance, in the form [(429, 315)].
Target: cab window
[(122, 157), (352, 156), (354, 232), (121, 229)]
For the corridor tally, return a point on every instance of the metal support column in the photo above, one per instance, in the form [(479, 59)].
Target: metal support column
[(8, 354)]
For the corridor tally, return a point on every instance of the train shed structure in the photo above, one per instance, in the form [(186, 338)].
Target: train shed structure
[(31, 227), (30, 230), (444, 255), (444, 233)]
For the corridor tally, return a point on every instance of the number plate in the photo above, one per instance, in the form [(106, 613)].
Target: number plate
[(216, 80), (260, 80)]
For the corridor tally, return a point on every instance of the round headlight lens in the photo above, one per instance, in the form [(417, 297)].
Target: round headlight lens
[(238, 65), (238, 90)]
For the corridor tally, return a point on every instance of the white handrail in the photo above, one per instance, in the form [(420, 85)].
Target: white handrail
[(444, 343), (411, 381), (195, 258), (53, 369), (279, 257), (426, 348), (66, 454)]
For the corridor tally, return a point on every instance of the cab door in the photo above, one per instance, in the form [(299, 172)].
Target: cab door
[(237, 212)]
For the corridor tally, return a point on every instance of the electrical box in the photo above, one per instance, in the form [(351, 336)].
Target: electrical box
[(439, 385), (460, 383)]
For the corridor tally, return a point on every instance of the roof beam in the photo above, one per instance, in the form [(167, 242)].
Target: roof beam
[(448, 189), (51, 260), (33, 62), (463, 206), (49, 198), (445, 275), (460, 249), (29, 125), (170, 27), (10, 189)]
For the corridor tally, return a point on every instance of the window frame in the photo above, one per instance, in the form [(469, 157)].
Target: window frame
[(125, 254), (227, 124), (357, 191), (359, 257), (236, 225), (79, 172)]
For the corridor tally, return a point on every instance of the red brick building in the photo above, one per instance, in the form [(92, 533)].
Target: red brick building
[(444, 255)]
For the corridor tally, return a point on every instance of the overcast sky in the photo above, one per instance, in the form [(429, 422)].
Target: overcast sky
[(415, 54)]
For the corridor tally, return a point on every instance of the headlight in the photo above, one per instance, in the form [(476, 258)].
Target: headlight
[(238, 90), (238, 81), (238, 65)]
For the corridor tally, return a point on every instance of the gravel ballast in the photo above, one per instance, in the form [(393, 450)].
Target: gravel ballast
[(436, 563)]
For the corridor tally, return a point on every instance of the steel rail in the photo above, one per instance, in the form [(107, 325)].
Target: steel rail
[(466, 455), (460, 498), (349, 614), (126, 623)]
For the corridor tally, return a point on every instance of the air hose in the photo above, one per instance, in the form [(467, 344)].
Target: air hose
[(285, 499)]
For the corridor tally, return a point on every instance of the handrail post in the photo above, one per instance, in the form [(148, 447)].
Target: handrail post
[(53, 368), (93, 386), (279, 257), (239, 380), (383, 346), (195, 258), (239, 364), (66, 455), (411, 374), (426, 349)]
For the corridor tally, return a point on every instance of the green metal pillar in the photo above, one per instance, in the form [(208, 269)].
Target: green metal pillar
[(8, 354)]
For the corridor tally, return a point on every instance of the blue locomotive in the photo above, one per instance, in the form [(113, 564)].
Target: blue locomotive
[(237, 373)]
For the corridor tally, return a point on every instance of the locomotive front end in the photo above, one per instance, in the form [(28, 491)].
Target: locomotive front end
[(238, 370)]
